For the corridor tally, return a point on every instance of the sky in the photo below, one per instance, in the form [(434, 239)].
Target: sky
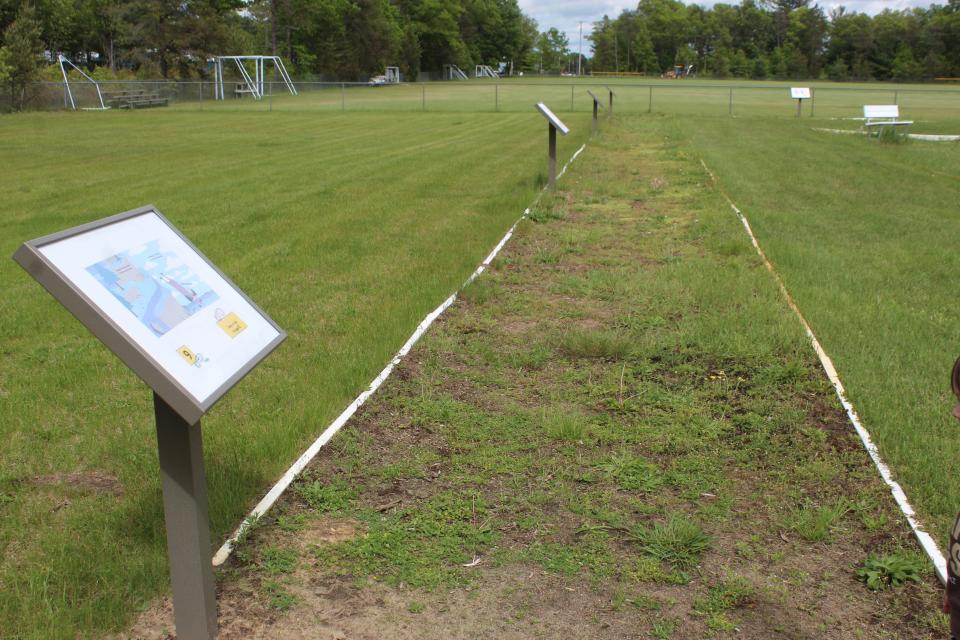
[(566, 15)]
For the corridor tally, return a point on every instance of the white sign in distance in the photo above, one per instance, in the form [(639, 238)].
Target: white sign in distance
[(158, 303), (552, 118), (800, 93)]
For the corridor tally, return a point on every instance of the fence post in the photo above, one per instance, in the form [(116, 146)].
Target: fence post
[(730, 109), (813, 99), (650, 101), (496, 97), (201, 95), (423, 97), (343, 96), (896, 98), (571, 97)]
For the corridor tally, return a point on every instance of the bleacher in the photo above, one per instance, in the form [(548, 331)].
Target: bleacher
[(133, 99)]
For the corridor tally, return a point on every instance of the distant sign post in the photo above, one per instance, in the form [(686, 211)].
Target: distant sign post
[(553, 125), (187, 331), (596, 107), (800, 94), (610, 110)]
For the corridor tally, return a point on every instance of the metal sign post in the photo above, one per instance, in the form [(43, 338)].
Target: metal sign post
[(610, 109), (143, 289), (596, 107), (184, 482), (800, 94), (553, 125)]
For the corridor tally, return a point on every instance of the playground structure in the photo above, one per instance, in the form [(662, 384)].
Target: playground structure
[(392, 75), (485, 71), (453, 72), (254, 85), (68, 99), (679, 72)]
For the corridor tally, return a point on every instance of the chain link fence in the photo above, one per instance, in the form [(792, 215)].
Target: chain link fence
[(513, 95)]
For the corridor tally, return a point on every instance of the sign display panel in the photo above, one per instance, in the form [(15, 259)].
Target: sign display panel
[(800, 93), (157, 302), (554, 120)]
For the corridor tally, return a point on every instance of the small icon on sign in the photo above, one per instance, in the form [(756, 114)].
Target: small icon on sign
[(193, 359), (231, 324), (187, 355)]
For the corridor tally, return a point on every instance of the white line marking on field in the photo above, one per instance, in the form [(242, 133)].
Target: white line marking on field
[(924, 538), (929, 137), (274, 494)]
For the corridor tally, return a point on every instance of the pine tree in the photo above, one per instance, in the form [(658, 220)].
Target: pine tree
[(24, 50)]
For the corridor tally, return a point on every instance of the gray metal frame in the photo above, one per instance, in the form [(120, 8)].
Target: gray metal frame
[(554, 124), (129, 351), (611, 92), (596, 106)]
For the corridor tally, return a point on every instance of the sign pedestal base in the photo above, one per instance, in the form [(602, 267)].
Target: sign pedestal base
[(188, 526)]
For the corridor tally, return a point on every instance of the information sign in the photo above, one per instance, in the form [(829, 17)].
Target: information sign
[(158, 303), (800, 93), (553, 119)]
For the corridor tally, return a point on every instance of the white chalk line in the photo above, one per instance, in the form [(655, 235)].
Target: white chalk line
[(928, 137), (926, 541), (274, 494)]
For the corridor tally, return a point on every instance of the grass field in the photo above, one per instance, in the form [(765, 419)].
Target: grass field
[(863, 234), (348, 227), (347, 237), (619, 431)]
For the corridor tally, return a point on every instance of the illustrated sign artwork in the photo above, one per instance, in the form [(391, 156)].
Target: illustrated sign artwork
[(155, 285), (136, 278)]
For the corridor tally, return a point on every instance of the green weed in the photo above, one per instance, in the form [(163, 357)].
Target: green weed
[(324, 498), (585, 343), (817, 523), (663, 629), (276, 561), (892, 570), (631, 473), (416, 607), (679, 541), (278, 596), (569, 426), (422, 547)]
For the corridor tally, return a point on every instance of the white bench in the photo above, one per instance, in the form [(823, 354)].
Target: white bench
[(883, 115)]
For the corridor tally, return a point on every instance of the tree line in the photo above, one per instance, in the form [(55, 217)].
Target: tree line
[(345, 39), (353, 39), (781, 39)]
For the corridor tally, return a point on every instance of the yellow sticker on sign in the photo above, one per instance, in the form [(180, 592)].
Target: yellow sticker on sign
[(187, 355), (232, 324)]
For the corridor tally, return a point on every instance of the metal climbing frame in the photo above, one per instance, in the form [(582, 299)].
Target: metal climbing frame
[(453, 72), (485, 71), (254, 84)]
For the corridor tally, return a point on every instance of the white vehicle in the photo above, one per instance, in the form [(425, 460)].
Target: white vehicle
[(377, 81)]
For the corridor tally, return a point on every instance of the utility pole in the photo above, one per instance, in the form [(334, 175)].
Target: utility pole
[(580, 54)]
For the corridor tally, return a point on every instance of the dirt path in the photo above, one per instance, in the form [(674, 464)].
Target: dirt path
[(617, 432)]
